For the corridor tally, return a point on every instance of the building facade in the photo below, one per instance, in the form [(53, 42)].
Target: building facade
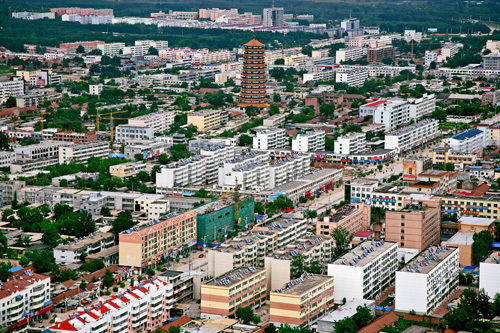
[(309, 141), (427, 280)]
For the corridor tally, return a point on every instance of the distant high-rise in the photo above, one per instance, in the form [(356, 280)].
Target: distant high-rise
[(350, 24), (273, 17), (254, 76)]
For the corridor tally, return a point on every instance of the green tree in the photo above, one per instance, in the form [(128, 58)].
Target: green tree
[(51, 236), (277, 98), (4, 142), (92, 266), (154, 171), (174, 329), (139, 157), (6, 213), (327, 110), (363, 316), (179, 151), (163, 159), (245, 140), (342, 239), (11, 102), (270, 329), (245, 314), (297, 268), (279, 61), (4, 271), (495, 306), (481, 245), (315, 267), (108, 280), (252, 111), (274, 109), (105, 211), (202, 193), (83, 285), (80, 49), (150, 272), (122, 222), (346, 325)]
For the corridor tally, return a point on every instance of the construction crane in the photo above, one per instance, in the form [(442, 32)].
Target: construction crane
[(445, 153), (14, 120), (112, 125), (98, 117), (420, 44), (236, 197)]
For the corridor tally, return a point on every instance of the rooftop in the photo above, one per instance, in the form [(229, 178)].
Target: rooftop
[(476, 221), (467, 134), (428, 259), (434, 173), (300, 246), (345, 311), (413, 127), (235, 276), (220, 204), (19, 282), (364, 182), (342, 213), (303, 284), (244, 240), (84, 242), (280, 223), (104, 253), (461, 238), (492, 258), (364, 253)]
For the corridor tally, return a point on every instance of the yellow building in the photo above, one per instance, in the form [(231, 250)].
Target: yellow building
[(239, 288), (301, 301), (471, 206), (126, 169), (205, 119), (437, 156), (152, 242)]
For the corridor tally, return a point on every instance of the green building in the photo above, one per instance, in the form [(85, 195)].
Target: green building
[(215, 219)]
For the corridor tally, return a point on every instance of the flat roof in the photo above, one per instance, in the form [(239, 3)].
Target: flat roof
[(364, 181), (461, 238), (243, 240), (364, 253), (345, 311), (476, 221), (467, 134), (86, 241), (280, 223), (342, 213), (492, 258), (429, 258), (304, 284), (105, 253), (300, 246), (235, 276), (217, 205), (434, 173)]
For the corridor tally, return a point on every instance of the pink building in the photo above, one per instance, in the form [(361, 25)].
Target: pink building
[(138, 309), (353, 218)]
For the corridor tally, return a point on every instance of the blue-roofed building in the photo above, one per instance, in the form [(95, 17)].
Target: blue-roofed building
[(15, 269), (469, 141)]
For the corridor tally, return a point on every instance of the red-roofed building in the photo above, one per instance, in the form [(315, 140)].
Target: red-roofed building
[(24, 285), (124, 312)]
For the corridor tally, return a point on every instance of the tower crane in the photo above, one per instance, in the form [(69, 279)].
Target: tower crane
[(420, 44), (236, 198), (98, 117)]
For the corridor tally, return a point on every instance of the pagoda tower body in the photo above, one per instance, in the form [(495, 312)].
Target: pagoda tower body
[(254, 76)]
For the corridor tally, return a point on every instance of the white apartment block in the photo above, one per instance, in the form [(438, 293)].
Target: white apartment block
[(427, 280), (190, 171), (141, 47), (247, 249), (362, 189), (286, 229), (215, 157), (140, 308), (24, 293), (351, 53), (82, 152), (409, 137), (26, 166), (272, 138), (289, 169), (449, 50), (322, 75), (351, 143), (430, 57), (352, 77), (251, 171), (123, 133), (159, 121), (275, 120), (8, 88), (422, 106), (7, 158), (309, 141), (96, 89), (45, 150), (365, 271), (70, 253), (111, 49), (410, 35), (489, 271), (312, 249), (392, 113), (468, 141)]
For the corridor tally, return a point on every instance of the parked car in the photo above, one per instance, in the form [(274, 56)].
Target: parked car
[(201, 255)]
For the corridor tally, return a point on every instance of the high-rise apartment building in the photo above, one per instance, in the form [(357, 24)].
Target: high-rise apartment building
[(273, 17), (253, 76)]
